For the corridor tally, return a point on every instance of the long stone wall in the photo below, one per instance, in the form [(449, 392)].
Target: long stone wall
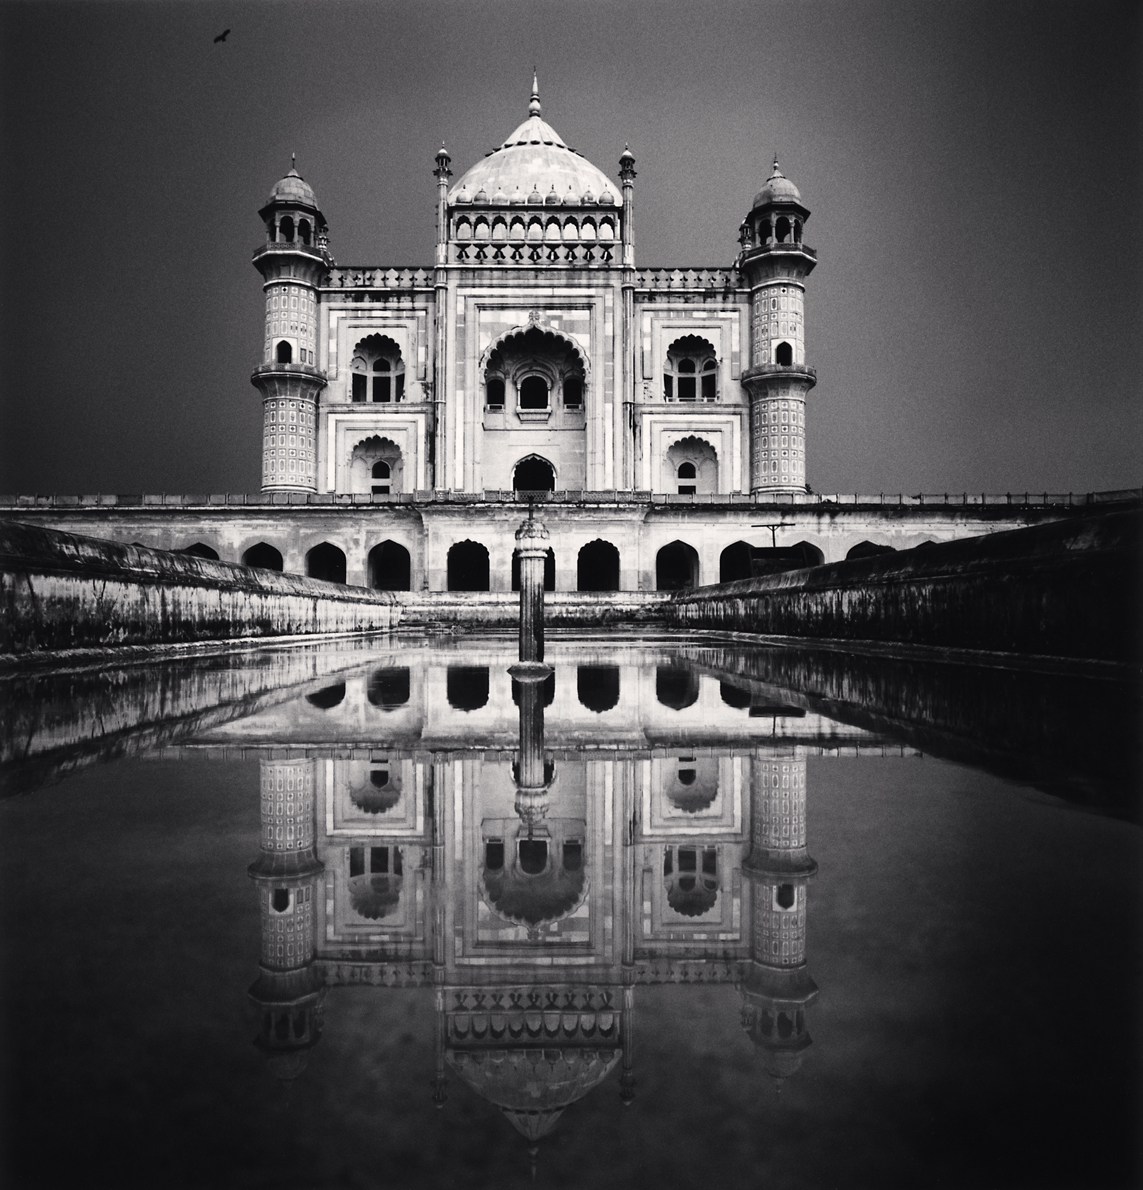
[(1067, 589), (62, 591)]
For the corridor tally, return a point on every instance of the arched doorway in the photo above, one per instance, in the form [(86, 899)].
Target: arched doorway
[(734, 563), (388, 688), (675, 687), (199, 550), (597, 568), (597, 687), (468, 567), (390, 568), (868, 549), (466, 687), (549, 570), (676, 567), (264, 556), (326, 562), (534, 474)]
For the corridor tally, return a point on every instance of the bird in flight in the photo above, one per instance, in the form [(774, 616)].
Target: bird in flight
[(222, 36)]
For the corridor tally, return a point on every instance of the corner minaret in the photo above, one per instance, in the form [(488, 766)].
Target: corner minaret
[(776, 984), (288, 992), (775, 263), (292, 262)]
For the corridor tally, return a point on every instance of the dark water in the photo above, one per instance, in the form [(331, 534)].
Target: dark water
[(678, 915)]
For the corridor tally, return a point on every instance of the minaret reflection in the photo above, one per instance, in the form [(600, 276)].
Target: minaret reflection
[(288, 992), (776, 984)]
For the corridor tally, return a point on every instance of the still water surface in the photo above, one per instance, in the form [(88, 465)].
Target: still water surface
[(675, 915)]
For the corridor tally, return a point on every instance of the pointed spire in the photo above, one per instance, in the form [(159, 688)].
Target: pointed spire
[(777, 172), (534, 104)]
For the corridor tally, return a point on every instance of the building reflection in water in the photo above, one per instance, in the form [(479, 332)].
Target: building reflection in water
[(532, 892)]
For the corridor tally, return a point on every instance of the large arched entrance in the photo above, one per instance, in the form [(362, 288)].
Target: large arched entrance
[(597, 568), (468, 567), (389, 567), (534, 474), (676, 567), (326, 562)]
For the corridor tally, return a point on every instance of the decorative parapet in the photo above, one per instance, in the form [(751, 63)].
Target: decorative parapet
[(379, 278), (702, 279)]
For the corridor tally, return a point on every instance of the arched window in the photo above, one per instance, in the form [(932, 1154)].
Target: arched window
[(533, 393), (534, 474), (533, 855), (494, 392), (388, 688), (573, 392), (782, 229), (264, 556), (597, 567), (734, 696), (377, 371), (676, 688), (390, 568), (676, 567), (784, 354), (328, 697), (597, 687), (286, 229), (691, 370), (376, 465), (691, 879), (285, 353), (468, 567), (304, 230), (691, 465), (326, 562), (466, 687)]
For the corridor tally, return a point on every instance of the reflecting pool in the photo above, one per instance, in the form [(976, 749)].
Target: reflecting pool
[(661, 913)]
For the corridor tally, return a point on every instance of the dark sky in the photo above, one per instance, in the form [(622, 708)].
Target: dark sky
[(973, 169)]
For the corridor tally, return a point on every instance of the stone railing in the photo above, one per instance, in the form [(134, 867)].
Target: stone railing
[(499, 252), (1129, 496), (289, 246), (378, 278), (700, 278)]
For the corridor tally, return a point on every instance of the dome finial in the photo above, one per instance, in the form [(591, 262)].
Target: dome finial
[(777, 172), (534, 105)]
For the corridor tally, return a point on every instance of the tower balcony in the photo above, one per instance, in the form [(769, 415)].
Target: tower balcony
[(785, 247), (296, 247), (772, 371), (288, 371)]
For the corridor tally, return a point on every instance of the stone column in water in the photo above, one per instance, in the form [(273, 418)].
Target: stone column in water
[(776, 984), (532, 549), (533, 775)]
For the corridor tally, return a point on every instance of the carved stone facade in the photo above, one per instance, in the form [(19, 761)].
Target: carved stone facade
[(534, 355)]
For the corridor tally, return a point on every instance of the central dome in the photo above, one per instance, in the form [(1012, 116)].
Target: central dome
[(534, 160)]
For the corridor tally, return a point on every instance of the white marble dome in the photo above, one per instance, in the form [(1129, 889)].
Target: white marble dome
[(535, 160)]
